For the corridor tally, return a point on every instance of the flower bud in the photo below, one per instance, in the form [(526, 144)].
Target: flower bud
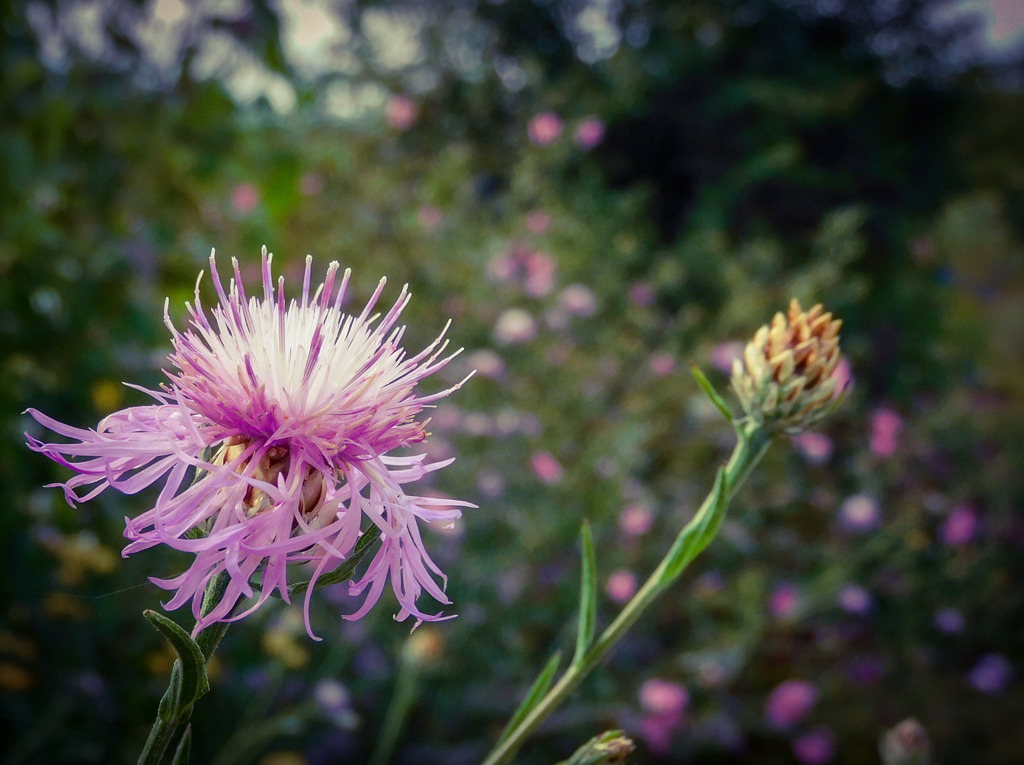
[(785, 377)]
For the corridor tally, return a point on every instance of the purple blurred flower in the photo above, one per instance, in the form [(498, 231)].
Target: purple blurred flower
[(589, 133), (545, 128), (790, 702), (335, 703), (816, 747), (950, 621), (724, 354), (641, 294), (855, 599), (991, 674), (865, 670), (860, 513), (960, 527), (785, 601), (289, 411), (885, 427)]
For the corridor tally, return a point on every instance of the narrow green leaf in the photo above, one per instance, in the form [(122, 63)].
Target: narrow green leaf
[(699, 532), (170, 702), (184, 748), (346, 570), (193, 682), (537, 690), (588, 595), (711, 393)]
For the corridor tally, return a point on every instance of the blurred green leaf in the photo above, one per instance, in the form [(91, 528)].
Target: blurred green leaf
[(588, 595), (534, 695)]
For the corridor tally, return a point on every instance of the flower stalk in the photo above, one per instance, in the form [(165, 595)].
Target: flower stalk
[(785, 382), (751, 445), (172, 713)]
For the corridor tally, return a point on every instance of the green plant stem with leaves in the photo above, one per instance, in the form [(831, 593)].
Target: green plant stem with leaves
[(545, 695), (188, 682)]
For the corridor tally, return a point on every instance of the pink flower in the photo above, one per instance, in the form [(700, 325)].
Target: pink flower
[(843, 375), (960, 527), (662, 364), (816, 448), (636, 520), (288, 412), (244, 198), (621, 585), (790, 702), (545, 128), (589, 133), (885, 427), (540, 274), (429, 217), (662, 697), (664, 703), (538, 222), (546, 467), (578, 300), (724, 354), (785, 601), (401, 112)]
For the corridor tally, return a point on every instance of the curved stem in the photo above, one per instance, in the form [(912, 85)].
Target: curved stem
[(163, 732), (753, 442)]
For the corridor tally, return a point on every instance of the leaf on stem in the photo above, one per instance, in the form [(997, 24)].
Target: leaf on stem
[(588, 595), (346, 570), (188, 675), (184, 748), (699, 532), (537, 690), (712, 394)]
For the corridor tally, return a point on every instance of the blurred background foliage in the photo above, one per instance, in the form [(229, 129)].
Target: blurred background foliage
[(596, 192)]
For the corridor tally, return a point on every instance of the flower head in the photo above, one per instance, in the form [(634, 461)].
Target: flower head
[(785, 377), (286, 414)]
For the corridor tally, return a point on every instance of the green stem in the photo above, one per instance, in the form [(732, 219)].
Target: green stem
[(164, 732), (753, 442), (398, 710)]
